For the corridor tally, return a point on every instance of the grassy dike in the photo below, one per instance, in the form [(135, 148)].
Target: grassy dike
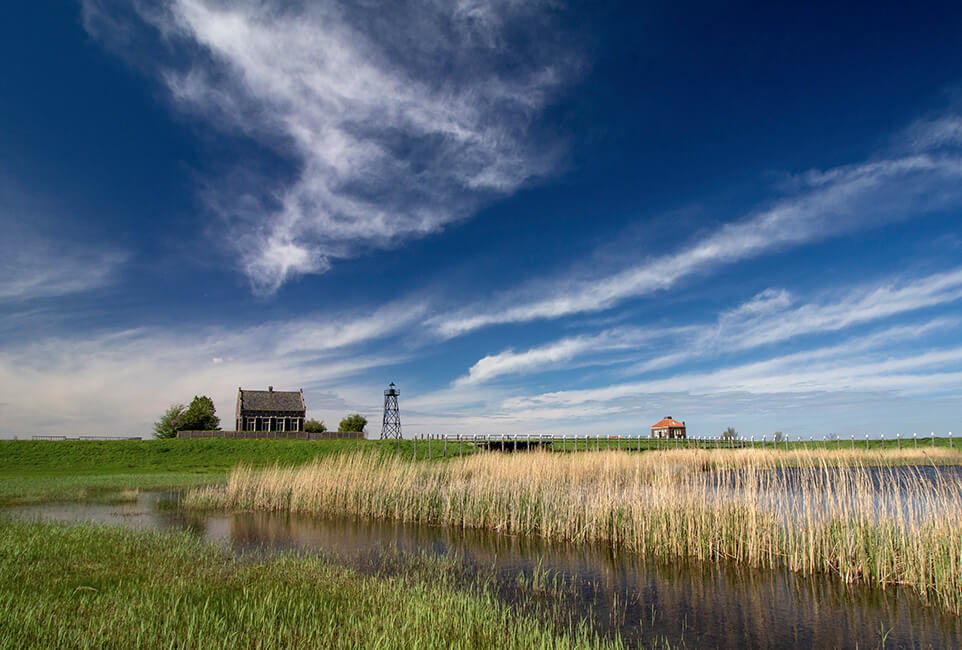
[(38, 470), (95, 587)]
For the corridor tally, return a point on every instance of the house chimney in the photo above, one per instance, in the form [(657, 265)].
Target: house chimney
[(270, 389)]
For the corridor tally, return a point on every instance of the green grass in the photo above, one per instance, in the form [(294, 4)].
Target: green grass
[(94, 587), (201, 456), (40, 470)]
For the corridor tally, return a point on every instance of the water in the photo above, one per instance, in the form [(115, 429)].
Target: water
[(908, 495), (694, 604)]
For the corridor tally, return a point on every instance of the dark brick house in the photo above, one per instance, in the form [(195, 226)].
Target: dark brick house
[(270, 410)]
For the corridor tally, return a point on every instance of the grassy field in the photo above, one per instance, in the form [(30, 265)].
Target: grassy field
[(97, 587), (842, 513)]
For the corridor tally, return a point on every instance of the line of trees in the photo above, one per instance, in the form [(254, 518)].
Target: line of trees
[(200, 415), (353, 423)]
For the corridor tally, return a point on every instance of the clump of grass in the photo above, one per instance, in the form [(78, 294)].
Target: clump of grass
[(863, 523), (96, 586)]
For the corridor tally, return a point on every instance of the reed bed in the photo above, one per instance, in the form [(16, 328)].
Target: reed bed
[(810, 510)]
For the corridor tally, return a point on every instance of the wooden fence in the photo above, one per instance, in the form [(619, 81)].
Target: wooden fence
[(432, 446), (274, 435)]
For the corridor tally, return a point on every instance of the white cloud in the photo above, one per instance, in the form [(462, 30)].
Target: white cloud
[(552, 355), (770, 317), (826, 204), (33, 267), (400, 117), (838, 368), (333, 332), (942, 131), (119, 382)]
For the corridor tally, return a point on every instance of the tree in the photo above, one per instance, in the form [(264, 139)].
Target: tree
[(315, 426), (199, 416), (778, 436), (730, 434), (164, 427), (353, 424)]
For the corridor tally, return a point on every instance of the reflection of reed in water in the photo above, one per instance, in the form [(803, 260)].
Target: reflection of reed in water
[(883, 527), (710, 605)]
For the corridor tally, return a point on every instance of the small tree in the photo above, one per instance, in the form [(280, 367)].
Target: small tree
[(353, 424), (729, 434), (778, 436), (315, 426), (199, 416), (165, 427)]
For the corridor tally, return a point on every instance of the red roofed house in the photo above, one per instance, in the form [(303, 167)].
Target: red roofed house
[(668, 428)]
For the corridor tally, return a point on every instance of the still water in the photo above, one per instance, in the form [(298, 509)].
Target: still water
[(687, 604)]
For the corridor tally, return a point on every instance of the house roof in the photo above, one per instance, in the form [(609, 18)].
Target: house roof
[(667, 421), (271, 400)]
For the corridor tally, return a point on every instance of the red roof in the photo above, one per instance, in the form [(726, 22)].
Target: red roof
[(667, 422)]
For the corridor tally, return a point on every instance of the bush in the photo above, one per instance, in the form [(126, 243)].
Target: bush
[(315, 426), (165, 427), (353, 424), (199, 416)]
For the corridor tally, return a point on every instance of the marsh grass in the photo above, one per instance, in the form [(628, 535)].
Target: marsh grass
[(842, 513), (97, 586)]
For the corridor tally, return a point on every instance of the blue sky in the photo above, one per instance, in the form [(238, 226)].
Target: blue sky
[(532, 217)]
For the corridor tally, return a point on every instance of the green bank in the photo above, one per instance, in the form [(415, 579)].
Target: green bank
[(39, 470), (93, 586)]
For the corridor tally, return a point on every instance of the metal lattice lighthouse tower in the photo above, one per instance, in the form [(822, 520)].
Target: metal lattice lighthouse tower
[(391, 425)]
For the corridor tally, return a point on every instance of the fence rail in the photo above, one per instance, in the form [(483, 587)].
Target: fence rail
[(273, 435), (437, 445), (85, 438)]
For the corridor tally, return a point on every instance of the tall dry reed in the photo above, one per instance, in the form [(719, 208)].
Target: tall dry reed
[(842, 513)]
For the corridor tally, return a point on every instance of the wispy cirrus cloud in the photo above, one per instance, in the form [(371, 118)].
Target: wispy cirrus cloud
[(555, 354), (32, 266), (773, 316), (400, 117), (919, 179), (850, 367)]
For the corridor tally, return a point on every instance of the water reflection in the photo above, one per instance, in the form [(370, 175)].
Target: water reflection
[(701, 605)]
